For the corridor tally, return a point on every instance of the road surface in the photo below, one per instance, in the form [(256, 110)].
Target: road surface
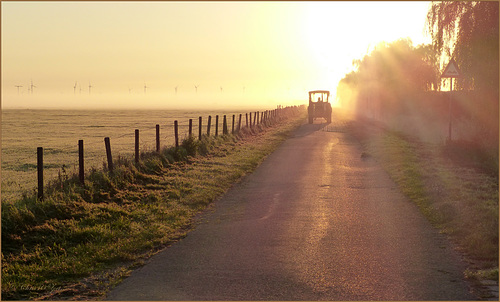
[(316, 221)]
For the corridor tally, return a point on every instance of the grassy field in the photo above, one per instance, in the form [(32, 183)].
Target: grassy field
[(455, 191), (58, 132), (82, 239)]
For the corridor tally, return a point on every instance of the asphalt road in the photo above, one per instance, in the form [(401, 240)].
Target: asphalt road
[(316, 221)]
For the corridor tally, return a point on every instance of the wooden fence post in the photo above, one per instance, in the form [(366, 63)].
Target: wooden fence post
[(209, 124), (136, 145), (246, 119), (254, 118), (216, 125), (239, 123), (199, 131), (39, 162), (232, 128), (190, 127), (157, 138), (224, 126), (250, 120), (107, 143), (176, 133), (81, 167)]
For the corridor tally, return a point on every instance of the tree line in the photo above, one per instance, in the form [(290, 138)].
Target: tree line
[(397, 79)]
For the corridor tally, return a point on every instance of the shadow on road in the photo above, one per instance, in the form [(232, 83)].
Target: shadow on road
[(308, 129)]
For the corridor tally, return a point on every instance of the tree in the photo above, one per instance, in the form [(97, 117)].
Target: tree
[(387, 77), (468, 32)]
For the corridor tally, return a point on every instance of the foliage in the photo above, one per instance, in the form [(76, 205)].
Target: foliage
[(468, 32), (390, 73)]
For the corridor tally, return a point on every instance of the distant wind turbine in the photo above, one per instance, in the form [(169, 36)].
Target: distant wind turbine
[(129, 90), (196, 87), (74, 88), (145, 87), (220, 89), (18, 86), (32, 86), (90, 86), (176, 89)]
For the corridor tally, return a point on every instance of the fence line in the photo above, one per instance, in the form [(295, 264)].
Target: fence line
[(265, 118)]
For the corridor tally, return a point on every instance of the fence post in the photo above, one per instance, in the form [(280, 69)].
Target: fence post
[(224, 126), (136, 145), (157, 138), (246, 119), (108, 153), (199, 131), (81, 167), (250, 120), (39, 153), (190, 127), (176, 132), (209, 124), (255, 118), (216, 125), (232, 128), (239, 123)]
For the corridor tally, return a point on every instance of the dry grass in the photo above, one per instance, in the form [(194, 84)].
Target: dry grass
[(458, 197)]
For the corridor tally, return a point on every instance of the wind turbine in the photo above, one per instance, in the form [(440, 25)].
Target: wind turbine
[(90, 86), (145, 87), (74, 88), (18, 86), (196, 87), (32, 86), (129, 90), (220, 89)]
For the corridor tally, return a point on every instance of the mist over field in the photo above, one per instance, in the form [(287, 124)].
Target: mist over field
[(141, 101)]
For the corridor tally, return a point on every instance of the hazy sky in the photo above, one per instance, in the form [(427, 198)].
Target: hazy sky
[(250, 54)]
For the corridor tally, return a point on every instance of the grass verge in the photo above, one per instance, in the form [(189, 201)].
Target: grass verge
[(458, 198), (80, 240)]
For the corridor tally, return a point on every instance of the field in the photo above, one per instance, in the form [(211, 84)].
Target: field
[(58, 132)]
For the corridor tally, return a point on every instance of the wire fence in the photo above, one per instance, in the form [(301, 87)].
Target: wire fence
[(124, 141)]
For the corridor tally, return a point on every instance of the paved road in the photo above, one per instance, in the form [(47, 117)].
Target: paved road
[(315, 221)]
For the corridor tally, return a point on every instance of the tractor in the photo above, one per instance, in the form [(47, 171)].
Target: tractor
[(321, 107)]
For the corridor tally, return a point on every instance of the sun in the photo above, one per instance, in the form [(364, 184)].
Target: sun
[(336, 33)]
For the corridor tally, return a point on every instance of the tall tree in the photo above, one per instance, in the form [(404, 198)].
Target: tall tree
[(468, 32)]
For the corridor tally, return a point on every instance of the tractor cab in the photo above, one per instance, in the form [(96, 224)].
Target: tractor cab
[(319, 105)]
